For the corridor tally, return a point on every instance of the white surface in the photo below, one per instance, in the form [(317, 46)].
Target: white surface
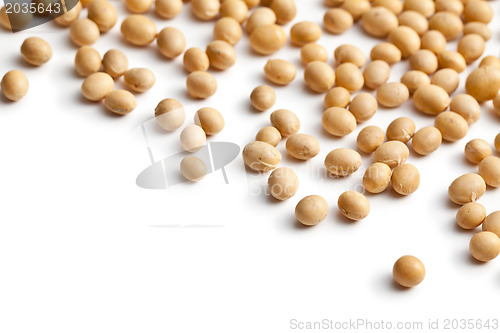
[(83, 249)]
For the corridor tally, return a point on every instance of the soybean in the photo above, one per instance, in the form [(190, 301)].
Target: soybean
[(84, 32), (431, 99), (235, 9), (36, 51), (261, 156), (337, 20), (414, 80), (492, 223), (193, 138), (452, 59), (392, 153), (354, 205), (302, 146), (483, 83), (452, 126), (311, 210), (115, 63), (313, 52), (408, 271), (171, 42), (270, 135), (377, 178), (97, 86), (263, 97), (120, 102), (285, 10), (379, 21), (319, 76), (338, 121), (283, 183), (467, 188), (305, 32), (387, 52), (370, 138), (342, 162), (479, 28), (434, 41), (405, 179), (193, 168), (267, 39), (195, 60), (376, 73), (138, 6), (405, 39), (449, 24), (484, 246), (168, 9), (392, 94), (471, 47), (228, 30), (401, 129), (103, 13), (446, 78), (466, 106), (489, 169), (285, 121), (477, 150), (139, 79), (426, 140), (471, 215), (337, 96), (259, 17), (170, 114), (138, 30), (414, 20), (425, 61), (280, 71), (351, 54), (87, 61), (205, 10), (14, 85), (201, 84), (363, 106), (210, 120), (221, 54), (349, 76)]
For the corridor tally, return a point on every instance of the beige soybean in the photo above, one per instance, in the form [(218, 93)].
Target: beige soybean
[(351, 54), (97, 86), (414, 80), (414, 20), (453, 60), (449, 24), (337, 20), (311, 210), (70, 16), (228, 30), (120, 102), (408, 271), (471, 47), (349, 76), (426, 140), (302, 146), (236, 9), (392, 94), (484, 246), (280, 71), (319, 76), (221, 54), (379, 21), (356, 8), (84, 32), (483, 83), (394, 6), (138, 6), (454, 6), (138, 30), (103, 13), (115, 63), (285, 121), (337, 96), (338, 121), (201, 84), (259, 17), (170, 114), (283, 183), (86, 3), (263, 97), (405, 39), (492, 223), (392, 153), (424, 61), (270, 135), (252, 3), (489, 169), (168, 9), (434, 41), (36, 51), (87, 61), (305, 32), (370, 138), (139, 79), (466, 106), (452, 126), (376, 73), (171, 42), (363, 106), (193, 138), (431, 99), (353, 205), (446, 78), (193, 169), (471, 215), (267, 39), (210, 120), (261, 156), (424, 7), (401, 129), (497, 143), (387, 52), (205, 10), (467, 188), (405, 179), (195, 60), (313, 52), (342, 162), (377, 178), (477, 150), (333, 3), (478, 11), (285, 10), (479, 28), (14, 85)]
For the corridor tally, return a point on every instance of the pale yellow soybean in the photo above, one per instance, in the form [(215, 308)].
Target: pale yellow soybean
[(193, 168), (449, 24), (349, 76), (120, 102), (431, 99), (170, 114), (485, 245), (452, 126), (311, 210), (210, 120), (466, 106), (280, 71), (405, 39), (36, 51), (201, 84), (305, 32), (414, 20), (139, 79), (454, 6), (342, 162), (259, 17), (425, 61), (221, 54), (489, 169), (302, 146), (434, 41), (236, 9), (261, 156), (87, 61), (337, 20), (333, 3), (395, 6), (313, 52), (387, 52), (263, 97), (453, 60), (377, 178), (424, 7), (478, 11), (405, 179), (483, 83), (14, 85), (414, 80), (392, 153), (97, 86), (228, 30), (337, 96), (70, 16), (356, 8), (376, 73), (193, 138), (283, 183), (471, 47), (426, 140), (370, 138), (171, 42), (270, 135), (350, 53), (195, 60), (353, 205), (138, 30), (285, 121), (392, 94), (467, 188), (497, 142), (492, 223), (379, 21), (338, 121), (84, 32), (115, 63), (138, 6), (103, 13), (168, 9), (285, 10), (471, 215), (205, 10), (446, 78), (267, 39), (408, 271), (401, 129), (319, 76), (252, 3), (479, 28), (477, 150), (363, 106)]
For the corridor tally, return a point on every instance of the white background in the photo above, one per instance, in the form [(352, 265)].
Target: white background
[(83, 249)]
